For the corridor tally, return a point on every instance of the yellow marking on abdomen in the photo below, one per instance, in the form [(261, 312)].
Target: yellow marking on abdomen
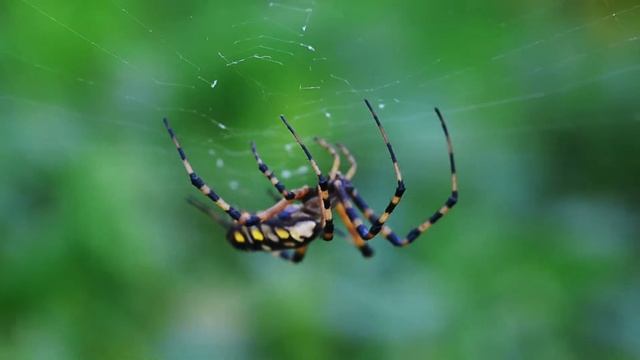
[(282, 233), (238, 237), (256, 234)]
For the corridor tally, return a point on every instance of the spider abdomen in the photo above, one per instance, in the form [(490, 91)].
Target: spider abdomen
[(274, 235)]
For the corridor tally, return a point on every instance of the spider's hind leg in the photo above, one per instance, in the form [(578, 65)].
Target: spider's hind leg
[(363, 246), (205, 209), (198, 183), (294, 256), (413, 234)]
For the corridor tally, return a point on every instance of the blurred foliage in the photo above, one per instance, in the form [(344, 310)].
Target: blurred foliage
[(101, 257)]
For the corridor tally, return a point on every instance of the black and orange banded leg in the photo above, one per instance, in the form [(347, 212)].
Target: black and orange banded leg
[(372, 217), (353, 165), (242, 218), (281, 204), (335, 167), (295, 256), (413, 233), (417, 231), (361, 204), (354, 218), (270, 176), (282, 254), (362, 245), (368, 233), (323, 186), (299, 253)]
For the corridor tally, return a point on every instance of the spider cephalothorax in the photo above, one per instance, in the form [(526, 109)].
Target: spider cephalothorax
[(301, 215)]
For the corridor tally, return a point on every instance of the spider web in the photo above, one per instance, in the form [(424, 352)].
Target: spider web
[(260, 60), (100, 77)]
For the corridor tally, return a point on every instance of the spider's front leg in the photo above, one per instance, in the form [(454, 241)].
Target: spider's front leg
[(323, 186), (413, 234), (377, 225)]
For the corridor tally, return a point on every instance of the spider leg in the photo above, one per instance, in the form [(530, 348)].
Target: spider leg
[(299, 253), (352, 162), (413, 233), (295, 256), (362, 245), (276, 197), (417, 231), (323, 186), (212, 214), (282, 254), (243, 218), (282, 204), (269, 174), (375, 228), (196, 181), (336, 157)]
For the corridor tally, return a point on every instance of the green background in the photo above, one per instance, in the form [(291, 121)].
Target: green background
[(101, 257)]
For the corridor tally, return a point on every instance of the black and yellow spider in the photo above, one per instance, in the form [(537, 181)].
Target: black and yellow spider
[(286, 228)]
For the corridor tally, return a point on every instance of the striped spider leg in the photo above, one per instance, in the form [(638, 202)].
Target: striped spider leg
[(365, 233), (412, 235), (334, 173), (264, 169), (353, 165), (323, 186), (243, 218), (197, 182), (339, 184)]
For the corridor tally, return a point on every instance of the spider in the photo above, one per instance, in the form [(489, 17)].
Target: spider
[(301, 215)]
